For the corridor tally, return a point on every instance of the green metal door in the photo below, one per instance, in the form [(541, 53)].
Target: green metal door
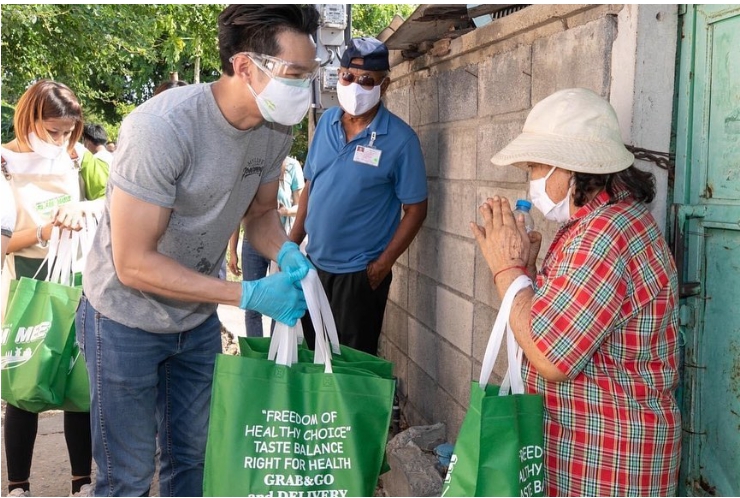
[(707, 243)]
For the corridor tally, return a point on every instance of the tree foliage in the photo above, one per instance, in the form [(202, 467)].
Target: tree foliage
[(114, 55), (371, 19)]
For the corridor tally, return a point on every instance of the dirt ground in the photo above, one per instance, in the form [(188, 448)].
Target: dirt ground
[(50, 471)]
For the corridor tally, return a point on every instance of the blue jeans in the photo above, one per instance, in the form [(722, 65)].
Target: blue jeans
[(254, 267), (146, 386)]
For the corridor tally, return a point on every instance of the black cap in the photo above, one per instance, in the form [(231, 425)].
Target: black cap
[(373, 52)]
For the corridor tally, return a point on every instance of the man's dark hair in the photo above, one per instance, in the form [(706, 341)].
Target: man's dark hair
[(640, 184), (95, 133), (254, 28)]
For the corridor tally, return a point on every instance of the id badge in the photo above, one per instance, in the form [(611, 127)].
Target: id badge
[(367, 155)]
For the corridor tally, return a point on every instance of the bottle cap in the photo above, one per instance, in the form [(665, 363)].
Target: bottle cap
[(523, 204)]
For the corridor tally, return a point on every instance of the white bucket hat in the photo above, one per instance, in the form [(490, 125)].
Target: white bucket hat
[(573, 129)]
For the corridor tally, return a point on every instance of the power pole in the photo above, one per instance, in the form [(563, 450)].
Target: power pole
[(334, 32)]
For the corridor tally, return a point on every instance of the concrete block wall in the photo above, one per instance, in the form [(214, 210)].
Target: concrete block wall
[(465, 106)]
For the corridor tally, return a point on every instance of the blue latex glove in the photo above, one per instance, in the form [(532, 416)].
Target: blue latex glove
[(276, 296), (291, 260)]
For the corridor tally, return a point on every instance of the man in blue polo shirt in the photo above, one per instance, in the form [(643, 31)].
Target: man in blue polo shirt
[(364, 167)]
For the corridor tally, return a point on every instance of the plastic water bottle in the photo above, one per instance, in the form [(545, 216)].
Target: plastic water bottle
[(523, 206)]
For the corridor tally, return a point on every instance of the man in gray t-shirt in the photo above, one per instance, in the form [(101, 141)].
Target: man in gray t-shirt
[(190, 164)]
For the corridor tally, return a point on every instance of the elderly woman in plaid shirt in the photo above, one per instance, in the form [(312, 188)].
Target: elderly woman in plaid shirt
[(599, 326)]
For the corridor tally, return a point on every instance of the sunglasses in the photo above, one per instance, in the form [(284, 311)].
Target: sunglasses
[(364, 80)]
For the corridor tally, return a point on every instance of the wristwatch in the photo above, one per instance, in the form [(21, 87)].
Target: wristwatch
[(39, 237)]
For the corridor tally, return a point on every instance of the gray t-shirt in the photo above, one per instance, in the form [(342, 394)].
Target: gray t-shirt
[(178, 151)]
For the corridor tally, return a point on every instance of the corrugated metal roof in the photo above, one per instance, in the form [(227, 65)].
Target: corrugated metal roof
[(430, 23)]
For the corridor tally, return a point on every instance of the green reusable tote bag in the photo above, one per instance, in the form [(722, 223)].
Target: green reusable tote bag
[(67, 268), (35, 343), (499, 450), (71, 382), (276, 430), (283, 425), (77, 396), (77, 390)]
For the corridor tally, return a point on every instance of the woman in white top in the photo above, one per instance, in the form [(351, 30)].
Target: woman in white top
[(42, 168)]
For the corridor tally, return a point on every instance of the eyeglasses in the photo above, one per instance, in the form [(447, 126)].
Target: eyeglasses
[(283, 69), (364, 80)]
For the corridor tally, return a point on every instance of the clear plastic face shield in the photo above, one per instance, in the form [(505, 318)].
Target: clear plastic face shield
[(290, 73)]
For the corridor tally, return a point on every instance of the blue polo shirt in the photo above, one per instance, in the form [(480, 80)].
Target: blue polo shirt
[(354, 208)]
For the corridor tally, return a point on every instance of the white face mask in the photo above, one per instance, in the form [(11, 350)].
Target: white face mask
[(355, 100), (559, 212), (45, 149), (283, 101)]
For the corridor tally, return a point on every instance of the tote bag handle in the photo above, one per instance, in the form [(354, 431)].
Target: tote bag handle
[(322, 318), (87, 234), (284, 343), (501, 326), (68, 251), (285, 339), (64, 245)]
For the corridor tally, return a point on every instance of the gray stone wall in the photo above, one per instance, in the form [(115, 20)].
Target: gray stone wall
[(465, 106)]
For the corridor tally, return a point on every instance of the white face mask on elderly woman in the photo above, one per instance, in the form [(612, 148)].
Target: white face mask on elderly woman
[(559, 212)]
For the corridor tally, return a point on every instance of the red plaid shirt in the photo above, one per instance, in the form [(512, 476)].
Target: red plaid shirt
[(605, 313)]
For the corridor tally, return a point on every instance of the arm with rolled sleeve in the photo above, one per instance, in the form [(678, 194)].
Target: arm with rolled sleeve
[(144, 185), (565, 321), (136, 227), (575, 311), (142, 198)]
